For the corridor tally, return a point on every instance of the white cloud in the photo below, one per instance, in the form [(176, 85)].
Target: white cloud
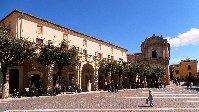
[(187, 38)]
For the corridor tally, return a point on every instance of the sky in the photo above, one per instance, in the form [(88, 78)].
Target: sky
[(126, 23)]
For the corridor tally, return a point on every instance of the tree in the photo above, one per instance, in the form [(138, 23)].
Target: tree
[(13, 51), (65, 56), (158, 72), (46, 57)]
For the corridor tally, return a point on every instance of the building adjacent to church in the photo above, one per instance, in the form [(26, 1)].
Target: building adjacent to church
[(155, 51), (184, 69), (41, 31)]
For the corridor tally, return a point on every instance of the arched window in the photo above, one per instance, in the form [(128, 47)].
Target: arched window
[(154, 53), (189, 67)]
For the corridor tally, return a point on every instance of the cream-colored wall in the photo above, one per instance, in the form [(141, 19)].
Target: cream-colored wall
[(29, 31), (54, 33)]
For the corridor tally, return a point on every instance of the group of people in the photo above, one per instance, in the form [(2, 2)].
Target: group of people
[(177, 81), (157, 84), (35, 89), (60, 86), (189, 85), (111, 86)]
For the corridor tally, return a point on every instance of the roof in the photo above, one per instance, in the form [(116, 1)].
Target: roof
[(134, 54), (60, 27)]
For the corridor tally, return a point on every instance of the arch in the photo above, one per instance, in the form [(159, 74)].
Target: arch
[(35, 72), (35, 77), (87, 74), (154, 53)]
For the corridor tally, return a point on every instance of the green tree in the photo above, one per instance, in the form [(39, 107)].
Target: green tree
[(46, 57), (13, 51), (157, 73), (65, 56)]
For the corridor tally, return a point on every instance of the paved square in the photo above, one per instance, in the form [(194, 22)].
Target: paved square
[(170, 99)]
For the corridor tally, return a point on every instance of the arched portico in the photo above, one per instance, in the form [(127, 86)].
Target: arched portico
[(87, 74)]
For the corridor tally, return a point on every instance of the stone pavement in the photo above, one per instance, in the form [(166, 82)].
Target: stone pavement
[(171, 99)]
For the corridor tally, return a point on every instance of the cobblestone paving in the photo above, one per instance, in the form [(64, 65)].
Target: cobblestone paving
[(170, 99)]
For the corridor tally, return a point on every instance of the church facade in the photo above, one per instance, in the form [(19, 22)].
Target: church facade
[(155, 51)]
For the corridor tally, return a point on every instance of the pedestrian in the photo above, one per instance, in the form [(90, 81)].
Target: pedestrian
[(150, 98), (112, 86), (191, 84), (165, 84), (62, 85), (116, 87), (105, 85), (187, 84), (108, 86), (57, 88)]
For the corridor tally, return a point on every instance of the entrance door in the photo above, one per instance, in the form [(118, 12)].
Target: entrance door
[(13, 80), (35, 80)]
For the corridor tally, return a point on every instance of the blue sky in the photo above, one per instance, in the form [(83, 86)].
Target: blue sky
[(125, 23)]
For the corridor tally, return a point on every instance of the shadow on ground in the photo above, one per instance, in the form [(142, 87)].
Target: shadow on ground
[(144, 106)]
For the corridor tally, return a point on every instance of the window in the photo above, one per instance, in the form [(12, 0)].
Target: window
[(85, 54), (177, 71), (154, 53), (39, 41), (85, 42), (65, 37), (112, 50), (112, 57), (100, 46), (189, 67), (121, 59), (39, 29), (109, 56), (99, 55)]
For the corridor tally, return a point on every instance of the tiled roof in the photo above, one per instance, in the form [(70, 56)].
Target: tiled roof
[(60, 27)]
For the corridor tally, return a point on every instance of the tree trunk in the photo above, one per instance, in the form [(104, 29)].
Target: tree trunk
[(119, 85), (130, 85), (59, 71), (5, 92)]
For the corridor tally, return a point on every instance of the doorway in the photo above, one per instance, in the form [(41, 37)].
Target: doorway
[(35, 78), (13, 80)]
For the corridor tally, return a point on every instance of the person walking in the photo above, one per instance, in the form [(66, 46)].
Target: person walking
[(150, 98)]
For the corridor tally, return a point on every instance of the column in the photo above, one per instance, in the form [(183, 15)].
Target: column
[(5, 92), (96, 88), (79, 72), (49, 79)]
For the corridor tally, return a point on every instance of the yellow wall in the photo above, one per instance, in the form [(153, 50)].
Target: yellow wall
[(183, 69)]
